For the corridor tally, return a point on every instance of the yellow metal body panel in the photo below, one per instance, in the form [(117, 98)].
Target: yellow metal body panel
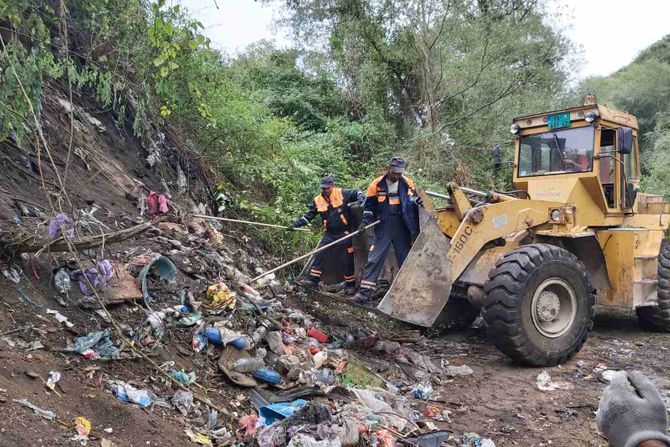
[(629, 236), (498, 220), (632, 262)]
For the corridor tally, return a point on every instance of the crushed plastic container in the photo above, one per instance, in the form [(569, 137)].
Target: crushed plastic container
[(250, 364)]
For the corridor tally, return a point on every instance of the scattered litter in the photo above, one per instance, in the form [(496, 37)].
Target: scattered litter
[(212, 418), (320, 359), (432, 439), (163, 267), (155, 320), (600, 367), (12, 274), (318, 335), (267, 376), (250, 364), (128, 393), (62, 282), (220, 297), (269, 414), (224, 336), (246, 426), (46, 414), (544, 383), (54, 377), (27, 299), (93, 279), (184, 378), (275, 342), (83, 427), (157, 204), (60, 225), (100, 340), (422, 391), (581, 363), (107, 443), (383, 438), (183, 401), (463, 370), (35, 345), (198, 438), (61, 318), (470, 439)]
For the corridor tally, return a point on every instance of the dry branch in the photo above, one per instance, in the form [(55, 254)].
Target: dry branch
[(60, 244)]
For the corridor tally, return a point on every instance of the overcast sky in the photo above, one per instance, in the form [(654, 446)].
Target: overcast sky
[(610, 33)]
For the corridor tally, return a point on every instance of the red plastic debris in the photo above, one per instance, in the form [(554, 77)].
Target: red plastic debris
[(318, 335)]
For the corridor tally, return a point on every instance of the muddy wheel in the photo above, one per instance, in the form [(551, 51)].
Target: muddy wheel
[(657, 318), (457, 315), (539, 305)]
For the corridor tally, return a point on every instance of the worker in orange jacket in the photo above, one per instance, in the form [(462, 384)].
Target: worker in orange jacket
[(391, 199), (332, 205)]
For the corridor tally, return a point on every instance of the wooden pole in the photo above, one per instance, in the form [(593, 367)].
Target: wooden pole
[(226, 219), (299, 258)]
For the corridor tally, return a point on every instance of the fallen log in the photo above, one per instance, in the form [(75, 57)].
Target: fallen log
[(35, 245)]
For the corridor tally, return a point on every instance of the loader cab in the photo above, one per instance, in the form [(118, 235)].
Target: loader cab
[(584, 156)]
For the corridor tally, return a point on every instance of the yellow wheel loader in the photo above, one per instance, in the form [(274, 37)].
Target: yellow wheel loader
[(575, 232)]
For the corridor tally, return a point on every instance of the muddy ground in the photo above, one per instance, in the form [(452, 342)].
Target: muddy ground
[(500, 400)]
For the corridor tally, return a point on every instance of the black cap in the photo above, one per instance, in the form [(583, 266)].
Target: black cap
[(397, 165), (327, 181)]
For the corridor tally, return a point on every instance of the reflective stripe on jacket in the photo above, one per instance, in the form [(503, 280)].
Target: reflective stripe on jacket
[(334, 211), (377, 203)]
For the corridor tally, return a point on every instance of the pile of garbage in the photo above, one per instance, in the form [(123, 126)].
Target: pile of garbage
[(308, 384)]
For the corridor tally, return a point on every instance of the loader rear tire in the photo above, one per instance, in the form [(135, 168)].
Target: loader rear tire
[(657, 318), (539, 305)]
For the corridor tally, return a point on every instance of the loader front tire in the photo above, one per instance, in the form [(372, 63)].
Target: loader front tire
[(657, 318), (539, 305)]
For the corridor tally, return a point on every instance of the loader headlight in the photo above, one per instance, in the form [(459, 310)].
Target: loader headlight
[(555, 215), (590, 117), (514, 128)]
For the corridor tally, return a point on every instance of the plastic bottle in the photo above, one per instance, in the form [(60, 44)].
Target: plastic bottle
[(267, 376), (248, 364), (259, 333)]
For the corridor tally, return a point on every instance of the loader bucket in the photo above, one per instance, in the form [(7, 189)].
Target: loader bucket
[(422, 287)]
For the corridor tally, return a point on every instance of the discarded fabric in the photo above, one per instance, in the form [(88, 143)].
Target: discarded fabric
[(157, 204), (93, 279), (60, 225)]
